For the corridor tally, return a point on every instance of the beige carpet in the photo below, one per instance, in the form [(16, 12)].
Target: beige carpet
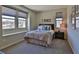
[(58, 47)]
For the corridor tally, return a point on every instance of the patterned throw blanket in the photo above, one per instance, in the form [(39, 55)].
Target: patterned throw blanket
[(41, 35)]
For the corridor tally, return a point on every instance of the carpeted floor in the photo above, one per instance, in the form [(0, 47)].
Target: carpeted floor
[(58, 47)]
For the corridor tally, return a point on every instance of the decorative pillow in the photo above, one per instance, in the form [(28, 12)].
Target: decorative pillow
[(48, 27), (40, 28), (44, 27)]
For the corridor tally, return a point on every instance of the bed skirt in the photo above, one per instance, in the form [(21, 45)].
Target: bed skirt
[(37, 42)]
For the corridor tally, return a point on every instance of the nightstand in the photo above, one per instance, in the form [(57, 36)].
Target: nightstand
[(59, 35)]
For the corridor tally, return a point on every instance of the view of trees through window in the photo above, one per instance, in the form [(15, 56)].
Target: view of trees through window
[(58, 22), (12, 18), (8, 22), (21, 22)]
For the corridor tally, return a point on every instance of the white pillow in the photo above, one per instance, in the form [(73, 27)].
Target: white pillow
[(40, 28), (44, 27)]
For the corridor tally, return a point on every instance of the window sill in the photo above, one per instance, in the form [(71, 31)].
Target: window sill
[(14, 33)]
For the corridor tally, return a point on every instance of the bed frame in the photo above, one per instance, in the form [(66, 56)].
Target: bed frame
[(36, 42), (52, 25), (39, 42)]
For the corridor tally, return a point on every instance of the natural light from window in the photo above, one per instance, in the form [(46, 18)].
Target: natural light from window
[(58, 22), (8, 22), (21, 23), (77, 22)]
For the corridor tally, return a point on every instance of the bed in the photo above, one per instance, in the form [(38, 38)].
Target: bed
[(42, 36)]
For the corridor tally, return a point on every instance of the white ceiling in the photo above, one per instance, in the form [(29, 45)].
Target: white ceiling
[(45, 7)]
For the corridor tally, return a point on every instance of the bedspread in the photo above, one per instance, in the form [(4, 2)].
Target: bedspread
[(41, 35)]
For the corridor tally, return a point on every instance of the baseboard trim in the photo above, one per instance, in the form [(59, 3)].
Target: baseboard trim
[(71, 45), (10, 44)]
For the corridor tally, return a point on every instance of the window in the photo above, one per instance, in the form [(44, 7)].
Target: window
[(73, 21), (59, 19), (58, 22), (75, 17), (21, 22), (77, 22), (8, 22), (13, 20), (8, 18)]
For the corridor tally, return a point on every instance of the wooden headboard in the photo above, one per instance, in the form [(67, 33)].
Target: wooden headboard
[(52, 25)]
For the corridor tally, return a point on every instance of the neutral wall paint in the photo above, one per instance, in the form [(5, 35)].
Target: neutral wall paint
[(50, 15), (6, 41), (73, 35), (33, 21)]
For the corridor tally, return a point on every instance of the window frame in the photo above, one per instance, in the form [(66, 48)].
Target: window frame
[(9, 19), (16, 16), (75, 13), (23, 20), (76, 22), (16, 20), (25, 17), (58, 20)]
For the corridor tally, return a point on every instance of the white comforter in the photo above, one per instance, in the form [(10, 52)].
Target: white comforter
[(41, 35)]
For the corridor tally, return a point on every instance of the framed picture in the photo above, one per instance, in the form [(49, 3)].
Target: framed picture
[(46, 20)]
